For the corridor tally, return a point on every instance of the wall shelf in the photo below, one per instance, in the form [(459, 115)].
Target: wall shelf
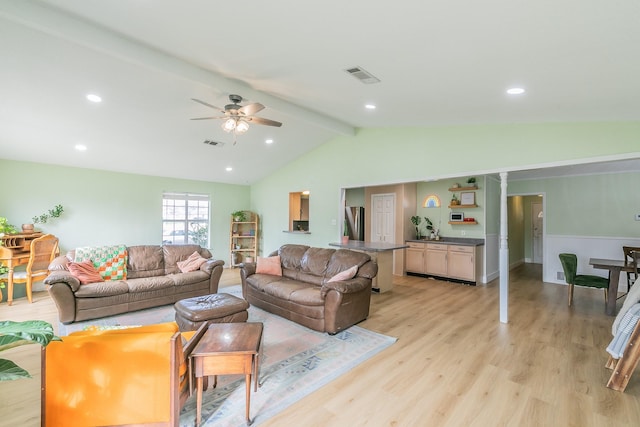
[(462, 206), (463, 222), (474, 188)]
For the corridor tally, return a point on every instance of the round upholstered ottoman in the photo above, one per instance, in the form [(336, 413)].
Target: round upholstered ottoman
[(216, 308)]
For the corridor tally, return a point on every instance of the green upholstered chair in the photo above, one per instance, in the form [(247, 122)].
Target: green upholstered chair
[(570, 267)]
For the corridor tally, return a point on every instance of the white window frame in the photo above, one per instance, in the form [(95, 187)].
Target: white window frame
[(183, 214)]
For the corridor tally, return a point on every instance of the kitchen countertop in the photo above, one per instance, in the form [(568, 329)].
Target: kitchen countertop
[(369, 246), (463, 241)]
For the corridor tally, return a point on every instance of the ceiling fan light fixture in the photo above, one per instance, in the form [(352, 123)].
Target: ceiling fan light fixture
[(229, 125), (242, 126)]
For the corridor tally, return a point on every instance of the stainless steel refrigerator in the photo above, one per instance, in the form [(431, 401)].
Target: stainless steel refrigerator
[(355, 222)]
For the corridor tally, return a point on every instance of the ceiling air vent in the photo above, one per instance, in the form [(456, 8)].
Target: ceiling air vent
[(362, 75), (214, 143)]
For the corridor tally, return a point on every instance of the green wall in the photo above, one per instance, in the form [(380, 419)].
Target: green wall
[(398, 155), (108, 207)]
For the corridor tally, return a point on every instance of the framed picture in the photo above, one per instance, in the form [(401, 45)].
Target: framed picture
[(468, 198)]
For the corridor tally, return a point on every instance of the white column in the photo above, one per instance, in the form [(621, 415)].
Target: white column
[(504, 251)]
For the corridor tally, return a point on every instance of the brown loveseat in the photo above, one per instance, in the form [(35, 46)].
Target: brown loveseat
[(304, 294), (153, 279)]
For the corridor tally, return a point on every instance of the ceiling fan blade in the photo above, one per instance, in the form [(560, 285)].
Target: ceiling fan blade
[(261, 121), (209, 118), (251, 109), (207, 104)]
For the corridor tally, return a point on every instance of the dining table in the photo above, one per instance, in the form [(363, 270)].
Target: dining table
[(615, 266)]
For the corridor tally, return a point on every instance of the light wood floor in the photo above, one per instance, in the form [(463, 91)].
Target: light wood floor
[(454, 364)]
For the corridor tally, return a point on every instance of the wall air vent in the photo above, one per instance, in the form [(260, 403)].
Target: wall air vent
[(362, 75), (214, 143)]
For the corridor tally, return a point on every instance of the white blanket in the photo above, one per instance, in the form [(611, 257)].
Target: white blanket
[(625, 327)]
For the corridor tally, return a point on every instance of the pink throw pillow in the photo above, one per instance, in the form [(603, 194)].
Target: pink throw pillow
[(85, 272), (345, 275), (270, 265), (193, 263)]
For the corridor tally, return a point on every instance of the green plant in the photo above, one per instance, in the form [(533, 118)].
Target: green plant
[(416, 220), (429, 224), (345, 229), (239, 216), (471, 180), (14, 334), (50, 214), (5, 227)]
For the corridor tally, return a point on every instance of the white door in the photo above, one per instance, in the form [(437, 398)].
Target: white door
[(537, 220), (383, 217)]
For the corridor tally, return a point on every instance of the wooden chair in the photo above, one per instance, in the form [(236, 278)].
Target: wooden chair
[(631, 254), (570, 267), (134, 376), (624, 367), (42, 251)]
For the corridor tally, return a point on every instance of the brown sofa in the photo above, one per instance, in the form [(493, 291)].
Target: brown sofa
[(304, 294), (153, 279)]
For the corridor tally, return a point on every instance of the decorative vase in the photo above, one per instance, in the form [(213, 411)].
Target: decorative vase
[(345, 240), (27, 228)]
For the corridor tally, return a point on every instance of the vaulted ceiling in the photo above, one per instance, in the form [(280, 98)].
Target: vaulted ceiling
[(439, 63)]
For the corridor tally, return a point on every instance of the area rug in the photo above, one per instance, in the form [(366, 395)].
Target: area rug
[(296, 361)]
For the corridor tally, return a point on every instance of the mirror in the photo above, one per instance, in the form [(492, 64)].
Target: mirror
[(299, 211)]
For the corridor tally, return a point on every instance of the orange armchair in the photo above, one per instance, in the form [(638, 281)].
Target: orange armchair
[(117, 377)]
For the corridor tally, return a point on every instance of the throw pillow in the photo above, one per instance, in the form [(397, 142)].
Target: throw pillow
[(85, 272), (192, 263), (269, 265), (345, 275), (111, 261)]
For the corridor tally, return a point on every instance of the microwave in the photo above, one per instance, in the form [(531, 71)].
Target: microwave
[(456, 216)]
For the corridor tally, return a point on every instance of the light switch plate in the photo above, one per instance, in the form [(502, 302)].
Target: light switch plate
[(637, 217)]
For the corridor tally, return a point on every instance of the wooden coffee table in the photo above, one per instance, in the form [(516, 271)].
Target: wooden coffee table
[(225, 349)]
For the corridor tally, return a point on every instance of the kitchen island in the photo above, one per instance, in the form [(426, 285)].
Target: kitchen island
[(382, 254)]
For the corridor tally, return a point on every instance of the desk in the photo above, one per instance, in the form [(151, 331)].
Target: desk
[(614, 266), (225, 349), (382, 254), (14, 251)]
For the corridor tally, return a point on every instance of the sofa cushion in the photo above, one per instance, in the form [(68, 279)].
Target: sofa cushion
[(192, 263), (102, 289), (291, 256), (294, 291), (175, 253), (145, 261), (345, 275), (145, 284), (111, 260), (270, 265), (181, 279), (315, 261), (343, 259), (85, 272)]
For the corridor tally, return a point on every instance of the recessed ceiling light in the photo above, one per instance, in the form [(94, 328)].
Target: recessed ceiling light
[(94, 98), (515, 91), (80, 147), (228, 168), (370, 107), (269, 141)]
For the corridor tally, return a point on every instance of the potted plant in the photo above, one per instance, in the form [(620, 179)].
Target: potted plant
[(454, 200), (5, 227), (239, 216), (14, 334), (43, 218), (345, 233), (471, 181), (416, 220), (429, 226)]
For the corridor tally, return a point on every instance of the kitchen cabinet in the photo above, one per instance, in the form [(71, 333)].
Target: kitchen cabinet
[(415, 258), (446, 260), (436, 259), (462, 263)]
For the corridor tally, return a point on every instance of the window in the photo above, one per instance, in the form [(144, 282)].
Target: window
[(185, 219)]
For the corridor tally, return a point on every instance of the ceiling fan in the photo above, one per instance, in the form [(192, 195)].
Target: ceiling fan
[(236, 117)]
